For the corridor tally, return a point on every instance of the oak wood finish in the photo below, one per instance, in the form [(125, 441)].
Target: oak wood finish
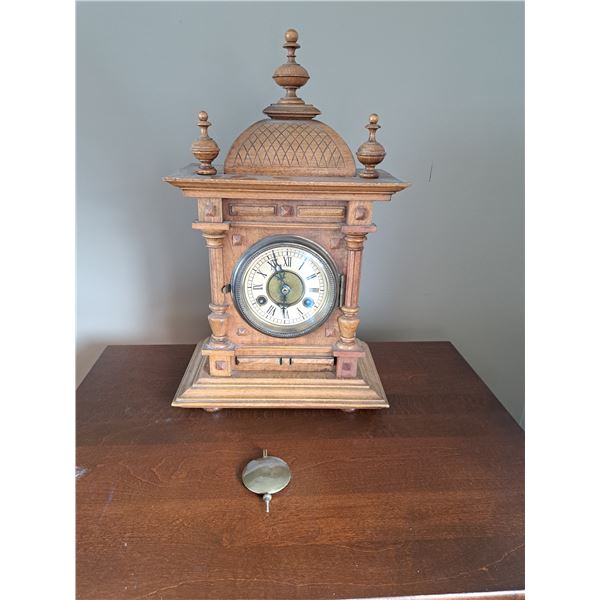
[(371, 153), (424, 498), (273, 187), (297, 381), (290, 147), (205, 149), (291, 76), (289, 174), (338, 219)]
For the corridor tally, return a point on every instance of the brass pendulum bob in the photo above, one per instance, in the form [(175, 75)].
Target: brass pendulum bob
[(266, 475)]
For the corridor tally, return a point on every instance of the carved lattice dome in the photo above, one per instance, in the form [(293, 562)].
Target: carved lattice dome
[(290, 147), (290, 143)]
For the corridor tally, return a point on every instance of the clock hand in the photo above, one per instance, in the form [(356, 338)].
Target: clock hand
[(279, 272), (284, 290), (284, 305)]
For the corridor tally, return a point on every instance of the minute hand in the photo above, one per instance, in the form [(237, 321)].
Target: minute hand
[(279, 272)]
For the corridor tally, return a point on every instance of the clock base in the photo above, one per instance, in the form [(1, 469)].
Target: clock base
[(272, 389)]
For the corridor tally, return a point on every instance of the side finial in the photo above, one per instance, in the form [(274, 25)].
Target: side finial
[(371, 153), (205, 149), (291, 76)]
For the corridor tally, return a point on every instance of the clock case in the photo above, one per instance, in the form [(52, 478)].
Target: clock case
[(290, 175)]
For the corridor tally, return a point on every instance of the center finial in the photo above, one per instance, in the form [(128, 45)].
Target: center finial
[(291, 76), (291, 37)]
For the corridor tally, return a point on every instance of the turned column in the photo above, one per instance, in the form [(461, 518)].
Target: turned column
[(218, 316), (348, 349), (218, 347)]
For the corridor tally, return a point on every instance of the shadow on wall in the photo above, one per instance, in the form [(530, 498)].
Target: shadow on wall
[(86, 355)]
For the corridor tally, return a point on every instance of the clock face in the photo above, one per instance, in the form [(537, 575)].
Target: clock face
[(285, 286)]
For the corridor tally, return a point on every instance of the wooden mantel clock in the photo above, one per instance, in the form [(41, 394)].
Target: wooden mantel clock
[(285, 222)]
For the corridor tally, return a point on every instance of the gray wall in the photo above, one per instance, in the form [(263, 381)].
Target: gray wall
[(447, 262)]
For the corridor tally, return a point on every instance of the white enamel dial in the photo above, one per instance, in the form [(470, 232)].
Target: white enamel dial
[(285, 286)]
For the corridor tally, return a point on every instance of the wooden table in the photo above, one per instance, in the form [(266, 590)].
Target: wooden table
[(423, 498)]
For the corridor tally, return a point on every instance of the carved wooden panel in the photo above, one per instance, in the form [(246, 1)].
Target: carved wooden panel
[(239, 332), (248, 210), (210, 210), (335, 213), (284, 212)]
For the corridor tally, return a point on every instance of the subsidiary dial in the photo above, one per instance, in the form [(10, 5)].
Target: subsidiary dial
[(285, 286)]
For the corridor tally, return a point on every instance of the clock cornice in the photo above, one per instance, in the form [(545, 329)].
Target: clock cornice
[(271, 187)]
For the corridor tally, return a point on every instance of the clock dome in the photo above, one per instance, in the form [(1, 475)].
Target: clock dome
[(290, 142), (290, 147)]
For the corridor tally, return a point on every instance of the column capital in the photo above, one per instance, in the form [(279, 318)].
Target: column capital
[(359, 229), (210, 227)]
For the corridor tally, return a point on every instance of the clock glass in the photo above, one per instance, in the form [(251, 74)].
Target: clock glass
[(285, 286)]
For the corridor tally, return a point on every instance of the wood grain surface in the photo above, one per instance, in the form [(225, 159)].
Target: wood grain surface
[(423, 498)]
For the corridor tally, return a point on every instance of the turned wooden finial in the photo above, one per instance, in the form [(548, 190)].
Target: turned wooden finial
[(205, 149), (291, 76), (371, 153)]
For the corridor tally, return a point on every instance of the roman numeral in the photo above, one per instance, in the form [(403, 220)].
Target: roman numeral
[(301, 313), (273, 262), (314, 290), (260, 273), (258, 286), (285, 312), (287, 261), (312, 276), (302, 264), (271, 311)]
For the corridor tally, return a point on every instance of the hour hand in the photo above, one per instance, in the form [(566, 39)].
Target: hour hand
[(284, 306), (279, 273)]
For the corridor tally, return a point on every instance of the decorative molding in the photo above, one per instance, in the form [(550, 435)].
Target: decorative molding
[(321, 211)]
